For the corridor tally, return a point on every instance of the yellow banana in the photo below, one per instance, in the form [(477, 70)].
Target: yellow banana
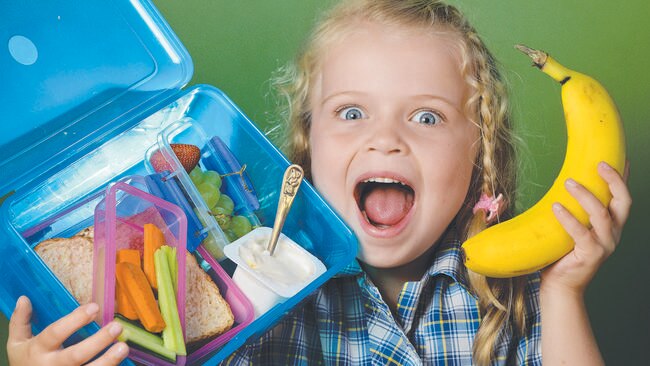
[(535, 238)]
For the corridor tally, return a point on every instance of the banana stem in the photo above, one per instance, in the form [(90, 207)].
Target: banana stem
[(547, 64), (539, 57)]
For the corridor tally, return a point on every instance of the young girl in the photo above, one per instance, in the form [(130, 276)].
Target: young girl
[(399, 116)]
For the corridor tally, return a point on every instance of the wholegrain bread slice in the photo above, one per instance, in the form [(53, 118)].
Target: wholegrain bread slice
[(71, 260), (207, 314)]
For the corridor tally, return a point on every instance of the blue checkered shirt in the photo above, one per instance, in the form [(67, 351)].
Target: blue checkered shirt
[(346, 322)]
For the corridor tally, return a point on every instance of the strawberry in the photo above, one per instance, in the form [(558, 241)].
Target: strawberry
[(188, 155)]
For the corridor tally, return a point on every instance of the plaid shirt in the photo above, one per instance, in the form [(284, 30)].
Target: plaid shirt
[(347, 322)]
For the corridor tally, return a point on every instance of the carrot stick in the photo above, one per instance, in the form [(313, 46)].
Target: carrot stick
[(122, 304), (135, 284), (153, 239)]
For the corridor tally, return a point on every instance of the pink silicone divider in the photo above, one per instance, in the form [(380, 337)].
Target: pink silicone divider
[(119, 224), (241, 307)]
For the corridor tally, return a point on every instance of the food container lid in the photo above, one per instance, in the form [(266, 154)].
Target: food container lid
[(75, 73)]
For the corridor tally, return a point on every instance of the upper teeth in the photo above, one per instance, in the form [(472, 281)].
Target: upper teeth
[(383, 180)]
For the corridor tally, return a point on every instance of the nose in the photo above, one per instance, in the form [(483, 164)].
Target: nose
[(386, 136)]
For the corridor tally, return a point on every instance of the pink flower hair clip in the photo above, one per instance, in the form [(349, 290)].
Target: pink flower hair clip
[(490, 205)]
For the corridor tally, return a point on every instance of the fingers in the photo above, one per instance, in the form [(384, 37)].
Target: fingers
[(113, 356), (619, 207), (46, 345), (20, 326), (599, 216), (53, 336), (595, 243), (607, 222), (573, 227), (91, 346)]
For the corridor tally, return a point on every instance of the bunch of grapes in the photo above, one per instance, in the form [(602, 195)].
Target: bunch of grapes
[(221, 206)]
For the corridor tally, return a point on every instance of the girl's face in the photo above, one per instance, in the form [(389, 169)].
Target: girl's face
[(391, 148)]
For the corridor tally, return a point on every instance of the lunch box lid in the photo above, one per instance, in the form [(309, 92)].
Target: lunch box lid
[(74, 74)]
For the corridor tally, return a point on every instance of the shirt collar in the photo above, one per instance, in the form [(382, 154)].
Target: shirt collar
[(448, 260), (352, 269)]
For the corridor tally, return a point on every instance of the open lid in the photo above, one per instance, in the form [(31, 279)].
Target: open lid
[(75, 73)]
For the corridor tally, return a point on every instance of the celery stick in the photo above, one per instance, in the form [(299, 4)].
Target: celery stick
[(173, 266), (134, 334), (172, 334)]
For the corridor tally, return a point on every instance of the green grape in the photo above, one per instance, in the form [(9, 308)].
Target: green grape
[(211, 244), (223, 218), (230, 235), (209, 194), (197, 176), (212, 177), (240, 226), (226, 203)]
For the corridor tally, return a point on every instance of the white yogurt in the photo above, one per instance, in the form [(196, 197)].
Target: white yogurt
[(270, 279), (288, 265)]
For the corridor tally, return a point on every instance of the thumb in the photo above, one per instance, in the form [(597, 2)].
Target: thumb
[(20, 327)]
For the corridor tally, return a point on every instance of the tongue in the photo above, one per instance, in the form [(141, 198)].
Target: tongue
[(387, 204)]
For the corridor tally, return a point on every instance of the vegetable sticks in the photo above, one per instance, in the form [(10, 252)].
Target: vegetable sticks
[(135, 284), (153, 239)]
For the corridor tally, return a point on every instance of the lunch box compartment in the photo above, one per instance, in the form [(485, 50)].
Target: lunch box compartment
[(119, 218), (119, 224), (214, 156)]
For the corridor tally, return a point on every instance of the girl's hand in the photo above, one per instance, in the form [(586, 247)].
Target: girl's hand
[(592, 246), (45, 349)]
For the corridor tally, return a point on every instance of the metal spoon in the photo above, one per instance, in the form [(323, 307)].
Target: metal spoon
[(290, 184)]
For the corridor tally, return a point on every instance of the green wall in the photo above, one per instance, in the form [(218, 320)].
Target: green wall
[(235, 45)]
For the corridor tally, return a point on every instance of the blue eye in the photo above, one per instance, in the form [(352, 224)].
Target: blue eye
[(427, 117), (351, 113)]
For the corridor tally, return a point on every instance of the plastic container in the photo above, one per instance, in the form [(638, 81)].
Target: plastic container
[(166, 187), (105, 87), (41, 209), (216, 157), (119, 220), (292, 268), (241, 308), (119, 224)]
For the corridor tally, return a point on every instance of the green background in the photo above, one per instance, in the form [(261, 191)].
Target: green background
[(236, 45)]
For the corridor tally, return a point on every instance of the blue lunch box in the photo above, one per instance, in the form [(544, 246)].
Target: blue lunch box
[(89, 88)]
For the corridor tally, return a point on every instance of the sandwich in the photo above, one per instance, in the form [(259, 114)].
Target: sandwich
[(207, 314)]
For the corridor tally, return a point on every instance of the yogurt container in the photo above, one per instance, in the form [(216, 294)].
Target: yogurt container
[(266, 279)]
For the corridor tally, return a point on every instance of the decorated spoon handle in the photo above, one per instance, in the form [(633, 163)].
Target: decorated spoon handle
[(290, 184)]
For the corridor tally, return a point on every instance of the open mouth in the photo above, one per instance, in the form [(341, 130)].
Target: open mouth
[(384, 202)]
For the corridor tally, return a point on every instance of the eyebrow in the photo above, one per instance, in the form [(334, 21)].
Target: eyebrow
[(339, 94), (441, 98)]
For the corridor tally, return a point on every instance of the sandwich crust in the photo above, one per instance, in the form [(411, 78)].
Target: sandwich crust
[(206, 312)]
